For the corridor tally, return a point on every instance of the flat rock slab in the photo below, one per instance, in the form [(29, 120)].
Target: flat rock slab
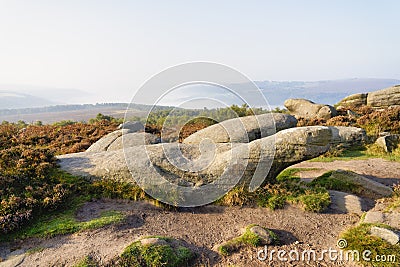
[(383, 171), (347, 203), (371, 189), (389, 218)]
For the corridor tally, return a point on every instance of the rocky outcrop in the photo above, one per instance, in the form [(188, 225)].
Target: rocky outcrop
[(388, 142), (243, 129), (303, 108), (253, 159), (356, 100), (384, 98)]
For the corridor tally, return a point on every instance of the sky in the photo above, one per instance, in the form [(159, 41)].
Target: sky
[(110, 48)]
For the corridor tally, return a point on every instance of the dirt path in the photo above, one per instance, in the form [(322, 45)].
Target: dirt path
[(380, 170), (202, 228)]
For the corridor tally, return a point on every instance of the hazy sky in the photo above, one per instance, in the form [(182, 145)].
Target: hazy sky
[(112, 47)]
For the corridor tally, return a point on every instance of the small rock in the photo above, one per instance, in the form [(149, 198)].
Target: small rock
[(388, 142), (263, 234), (386, 234), (153, 241), (346, 203), (374, 217)]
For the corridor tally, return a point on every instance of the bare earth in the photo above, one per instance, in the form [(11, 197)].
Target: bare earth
[(205, 227)]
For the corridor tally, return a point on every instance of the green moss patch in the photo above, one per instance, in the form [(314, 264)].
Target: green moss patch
[(359, 238), (63, 222), (169, 254), (248, 238)]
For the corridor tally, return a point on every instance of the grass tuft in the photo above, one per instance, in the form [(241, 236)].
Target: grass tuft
[(138, 255), (248, 238)]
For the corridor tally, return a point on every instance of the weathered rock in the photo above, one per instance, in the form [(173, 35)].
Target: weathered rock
[(348, 136), (388, 142), (355, 100), (303, 108), (384, 98), (265, 236), (374, 217), (206, 162), (132, 126), (243, 129), (106, 141), (369, 187), (346, 203), (133, 139), (386, 234), (384, 213)]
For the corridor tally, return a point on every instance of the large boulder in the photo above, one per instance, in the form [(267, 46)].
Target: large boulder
[(384, 98), (243, 129), (303, 108), (279, 151)]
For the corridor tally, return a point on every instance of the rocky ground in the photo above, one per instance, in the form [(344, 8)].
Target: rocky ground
[(205, 227), (202, 228)]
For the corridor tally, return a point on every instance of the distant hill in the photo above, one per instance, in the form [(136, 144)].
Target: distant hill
[(9, 100), (84, 112), (328, 92), (44, 104), (25, 96)]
